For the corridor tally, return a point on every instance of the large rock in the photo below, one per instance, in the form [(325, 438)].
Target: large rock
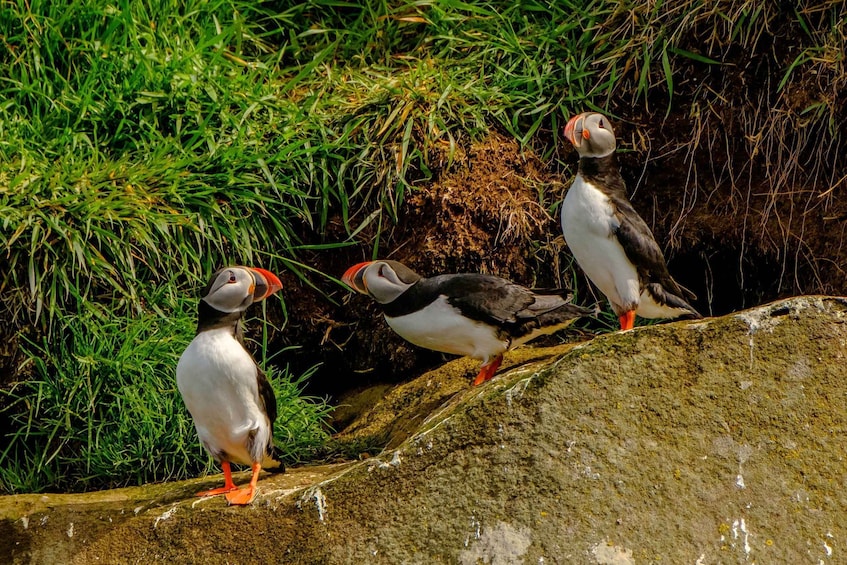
[(717, 441)]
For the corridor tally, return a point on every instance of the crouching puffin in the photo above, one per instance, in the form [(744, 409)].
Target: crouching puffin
[(607, 237), (229, 397), (480, 316)]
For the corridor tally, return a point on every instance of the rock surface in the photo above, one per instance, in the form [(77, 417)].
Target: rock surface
[(717, 441)]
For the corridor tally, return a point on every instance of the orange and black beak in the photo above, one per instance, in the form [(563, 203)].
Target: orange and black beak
[(265, 283), (354, 277), (574, 131)]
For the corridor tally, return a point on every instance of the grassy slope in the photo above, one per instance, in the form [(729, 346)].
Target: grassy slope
[(142, 146)]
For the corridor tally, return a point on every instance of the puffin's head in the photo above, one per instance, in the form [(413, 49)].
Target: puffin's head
[(382, 280), (591, 134), (233, 289)]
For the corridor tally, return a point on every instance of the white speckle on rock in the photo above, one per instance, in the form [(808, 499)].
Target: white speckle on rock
[(70, 531), (725, 446), (376, 463), (200, 500), (320, 503), (759, 319), (744, 385), (517, 390), (137, 509), (164, 516), (25, 522), (501, 545), (828, 549), (476, 527), (606, 553), (701, 560), (739, 532)]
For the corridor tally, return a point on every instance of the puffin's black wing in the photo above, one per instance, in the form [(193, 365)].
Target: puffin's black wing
[(268, 399), (491, 299), (266, 395), (642, 250)]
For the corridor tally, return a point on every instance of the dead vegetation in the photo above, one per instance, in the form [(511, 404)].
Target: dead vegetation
[(732, 123)]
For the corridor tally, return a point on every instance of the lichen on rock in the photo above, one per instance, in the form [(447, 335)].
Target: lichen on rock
[(678, 443)]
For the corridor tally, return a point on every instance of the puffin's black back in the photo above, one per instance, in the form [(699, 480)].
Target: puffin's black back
[(634, 235)]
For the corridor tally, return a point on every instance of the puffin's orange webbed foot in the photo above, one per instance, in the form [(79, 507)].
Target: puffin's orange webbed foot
[(487, 371), (241, 496), (248, 493), (627, 320), (229, 486)]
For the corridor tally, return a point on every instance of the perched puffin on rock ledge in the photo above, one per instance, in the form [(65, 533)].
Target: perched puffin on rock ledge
[(229, 397), (607, 237), (480, 316)]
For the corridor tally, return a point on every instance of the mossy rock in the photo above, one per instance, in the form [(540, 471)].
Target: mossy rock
[(715, 441)]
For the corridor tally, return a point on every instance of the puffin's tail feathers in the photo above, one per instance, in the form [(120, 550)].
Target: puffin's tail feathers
[(564, 314), (546, 323), (273, 461), (662, 296)]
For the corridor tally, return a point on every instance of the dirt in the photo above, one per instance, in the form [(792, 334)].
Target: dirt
[(714, 441), (731, 240), (482, 215), (738, 177)]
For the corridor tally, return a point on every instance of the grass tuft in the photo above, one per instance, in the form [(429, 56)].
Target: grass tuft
[(102, 409)]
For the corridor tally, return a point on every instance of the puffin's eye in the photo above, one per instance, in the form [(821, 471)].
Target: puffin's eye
[(380, 272), (600, 125), (232, 278)]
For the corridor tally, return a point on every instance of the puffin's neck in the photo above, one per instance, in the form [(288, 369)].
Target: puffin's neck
[(603, 173), (414, 298), (210, 318)]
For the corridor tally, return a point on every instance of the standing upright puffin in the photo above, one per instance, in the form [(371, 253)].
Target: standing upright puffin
[(607, 237), (229, 397), (480, 316)]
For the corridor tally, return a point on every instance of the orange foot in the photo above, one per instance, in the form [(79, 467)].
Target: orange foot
[(627, 320), (241, 496), (487, 371), (248, 493), (229, 486)]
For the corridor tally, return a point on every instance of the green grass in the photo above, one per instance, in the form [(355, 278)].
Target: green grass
[(143, 145), (102, 408), (139, 143)]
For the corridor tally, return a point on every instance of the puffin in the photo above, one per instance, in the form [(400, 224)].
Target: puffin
[(229, 397), (609, 240), (480, 316)]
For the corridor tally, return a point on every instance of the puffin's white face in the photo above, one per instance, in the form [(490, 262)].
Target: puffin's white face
[(382, 280), (591, 134), (233, 289)]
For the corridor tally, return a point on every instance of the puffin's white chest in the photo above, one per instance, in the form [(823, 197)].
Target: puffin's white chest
[(217, 379), (442, 327), (588, 224)]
